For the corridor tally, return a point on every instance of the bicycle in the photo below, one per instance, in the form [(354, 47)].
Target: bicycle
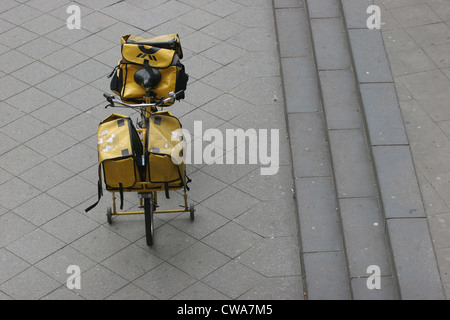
[(149, 79)]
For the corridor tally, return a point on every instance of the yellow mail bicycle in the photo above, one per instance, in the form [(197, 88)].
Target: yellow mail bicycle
[(151, 162)]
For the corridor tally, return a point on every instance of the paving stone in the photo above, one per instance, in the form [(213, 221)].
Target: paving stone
[(11, 265), (309, 145), (411, 16), (326, 276), (17, 37), (57, 264), (439, 54), (43, 24), (199, 260), (10, 87), (279, 220), (231, 239), (63, 293), (355, 13), (200, 291), (7, 143), (41, 209), (407, 61), (168, 242), (20, 14), (164, 281), (364, 235), (369, 56), (282, 249), (35, 73), (397, 180), (341, 104), (318, 219), (383, 116), (222, 29), (13, 227), (293, 33), (257, 64), (62, 226), (15, 192), (351, 162), (233, 279), (46, 175), (300, 85), (100, 244), (35, 246), (324, 9), (47, 5), (278, 288), (386, 291), (330, 46), (31, 284), (131, 292), (132, 262), (64, 59), (206, 221), (20, 160), (98, 282), (39, 48), (414, 259), (431, 97), (430, 34)]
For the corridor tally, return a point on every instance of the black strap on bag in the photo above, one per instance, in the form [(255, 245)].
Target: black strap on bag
[(166, 189), (100, 194), (121, 195)]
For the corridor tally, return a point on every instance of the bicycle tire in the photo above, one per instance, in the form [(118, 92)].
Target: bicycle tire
[(149, 226)]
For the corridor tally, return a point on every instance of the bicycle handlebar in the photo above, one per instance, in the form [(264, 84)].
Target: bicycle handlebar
[(112, 101)]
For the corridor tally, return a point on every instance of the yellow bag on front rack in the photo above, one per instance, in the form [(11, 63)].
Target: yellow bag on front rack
[(163, 53)]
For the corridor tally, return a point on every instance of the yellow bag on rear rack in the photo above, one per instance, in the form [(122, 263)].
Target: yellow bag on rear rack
[(119, 156), (136, 53), (165, 167)]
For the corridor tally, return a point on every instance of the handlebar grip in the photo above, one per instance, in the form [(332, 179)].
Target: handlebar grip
[(108, 97)]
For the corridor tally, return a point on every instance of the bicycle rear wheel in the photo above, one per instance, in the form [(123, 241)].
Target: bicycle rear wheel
[(149, 209)]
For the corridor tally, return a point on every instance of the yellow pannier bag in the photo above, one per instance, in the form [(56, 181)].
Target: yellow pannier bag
[(165, 167), (162, 53), (119, 155)]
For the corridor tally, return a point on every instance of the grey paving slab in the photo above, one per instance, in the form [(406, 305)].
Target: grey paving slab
[(340, 100), (309, 145), (300, 85), (386, 291), (330, 45), (318, 216), (383, 116), (369, 55), (414, 258), (293, 33), (355, 13), (326, 276), (398, 183), (324, 9), (364, 235), (351, 163)]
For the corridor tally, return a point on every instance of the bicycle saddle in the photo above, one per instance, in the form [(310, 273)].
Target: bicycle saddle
[(149, 79)]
